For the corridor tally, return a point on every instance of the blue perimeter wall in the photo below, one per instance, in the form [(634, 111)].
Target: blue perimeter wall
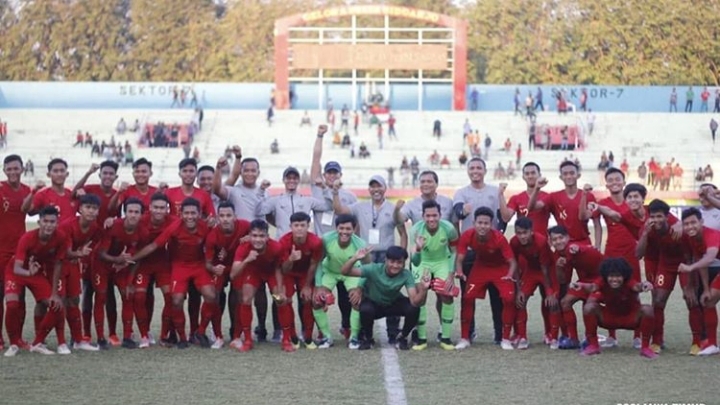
[(437, 97)]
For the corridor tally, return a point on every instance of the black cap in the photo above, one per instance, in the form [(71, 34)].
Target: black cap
[(290, 170)]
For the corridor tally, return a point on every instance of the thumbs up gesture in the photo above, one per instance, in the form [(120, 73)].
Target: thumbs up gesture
[(295, 254)]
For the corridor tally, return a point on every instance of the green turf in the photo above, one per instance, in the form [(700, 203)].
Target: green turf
[(483, 374)]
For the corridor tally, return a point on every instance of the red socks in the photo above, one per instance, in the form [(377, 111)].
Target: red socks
[(128, 313), (74, 319), (570, 323), (591, 327), (647, 326), (245, 317), (695, 315), (659, 332), (467, 312), (141, 313), (521, 319), (711, 324), (508, 318), (13, 323), (178, 320), (99, 312)]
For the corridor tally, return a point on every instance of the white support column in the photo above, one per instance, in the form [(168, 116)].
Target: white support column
[(353, 85), (321, 92), (386, 93), (420, 75)]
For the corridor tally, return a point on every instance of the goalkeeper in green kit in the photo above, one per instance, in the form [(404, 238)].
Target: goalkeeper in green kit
[(433, 238), (340, 245)]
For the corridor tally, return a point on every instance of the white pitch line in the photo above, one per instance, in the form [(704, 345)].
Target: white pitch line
[(394, 384)]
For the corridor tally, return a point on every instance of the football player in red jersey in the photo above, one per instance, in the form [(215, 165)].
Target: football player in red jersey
[(12, 217), (494, 264), (142, 190), (57, 195), (85, 235), (260, 261), (304, 251), (533, 250), (703, 246), (585, 259), (220, 246), (614, 303), (38, 259), (185, 239), (119, 243)]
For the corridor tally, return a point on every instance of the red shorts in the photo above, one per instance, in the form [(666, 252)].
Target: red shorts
[(39, 286), (611, 320), (651, 268), (581, 294), (70, 283), (714, 285), (183, 274), (530, 281), (220, 281), (105, 275), (145, 274), (481, 277), (257, 278)]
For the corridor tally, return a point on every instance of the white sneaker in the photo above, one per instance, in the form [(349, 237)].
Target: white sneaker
[(610, 343), (218, 344), (325, 343), (554, 344), (85, 346), (63, 349), (12, 351), (237, 343), (151, 338), (637, 343), (709, 351), (144, 343), (462, 344), (506, 344), (211, 335), (522, 344), (354, 344)]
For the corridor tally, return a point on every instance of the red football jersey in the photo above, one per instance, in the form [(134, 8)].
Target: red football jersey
[(586, 261), (620, 241), (104, 212), (536, 254), (635, 225), (176, 196), (46, 253), (77, 238), (270, 259), (539, 218), (184, 246), (117, 239), (494, 252), (12, 217), (134, 192), (220, 243), (621, 301), (63, 202), (312, 250), (159, 258), (667, 251), (697, 248), (566, 211)]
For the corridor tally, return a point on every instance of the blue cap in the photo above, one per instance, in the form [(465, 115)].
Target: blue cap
[(333, 165)]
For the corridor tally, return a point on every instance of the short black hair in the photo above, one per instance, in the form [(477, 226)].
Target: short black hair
[(430, 172), (90, 199), (55, 162), (345, 218), (190, 202), (557, 230), (48, 210), (259, 224), (708, 185), (300, 217), (614, 170), (569, 163), (658, 206), (206, 168), (111, 164), (12, 158), (484, 211), (692, 211), (159, 197), (187, 162), (477, 159), (226, 204), (396, 253), (131, 201), (140, 162), (635, 187), (615, 265), (430, 204), (250, 160), (524, 223), (531, 164)]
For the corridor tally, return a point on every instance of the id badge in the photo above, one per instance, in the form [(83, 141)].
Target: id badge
[(374, 237), (327, 218)]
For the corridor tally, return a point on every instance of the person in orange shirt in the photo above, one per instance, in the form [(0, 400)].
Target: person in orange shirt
[(625, 167), (665, 173), (677, 180), (653, 168)]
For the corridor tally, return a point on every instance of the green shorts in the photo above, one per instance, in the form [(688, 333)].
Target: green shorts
[(330, 280), (439, 269)]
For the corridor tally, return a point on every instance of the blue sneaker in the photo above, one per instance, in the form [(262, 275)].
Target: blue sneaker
[(570, 344)]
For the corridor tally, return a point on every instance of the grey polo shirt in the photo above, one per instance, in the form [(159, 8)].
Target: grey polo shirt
[(483, 197), (325, 220), (382, 234), (245, 200), (215, 200), (284, 205), (413, 209)]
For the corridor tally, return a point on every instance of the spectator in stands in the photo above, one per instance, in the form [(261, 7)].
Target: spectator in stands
[(305, 178), (29, 168), (704, 97), (463, 158), (434, 158), (437, 129), (390, 177), (583, 99), (183, 97), (136, 126), (625, 167), (196, 154), (475, 151), (404, 163), (391, 127), (121, 127), (129, 157), (499, 173), (175, 97), (700, 175), (602, 167), (274, 147), (88, 139), (337, 140), (344, 118), (529, 104), (364, 153), (590, 120), (186, 150), (488, 142), (562, 106), (689, 97), (79, 140), (665, 176), (539, 100), (713, 128), (474, 97), (708, 173), (642, 172), (611, 159), (305, 120), (380, 134), (119, 155), (677, 177), (564, 138), (201, 116), (507, 145), (345, 141), (356, 122), (269, 115), (3, 129), (516, 101), (531, 136), (547, 139), (3, 139), (193, 98), (717, 101), (518, 155), (414, 170), (445, 162), (652, 169), (673, 100)]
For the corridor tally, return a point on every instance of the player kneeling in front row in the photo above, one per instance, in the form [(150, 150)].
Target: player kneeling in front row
[(614, 303), (381, 292)]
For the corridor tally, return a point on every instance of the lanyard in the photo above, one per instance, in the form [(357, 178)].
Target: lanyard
[(375, 215), (292, 204)]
